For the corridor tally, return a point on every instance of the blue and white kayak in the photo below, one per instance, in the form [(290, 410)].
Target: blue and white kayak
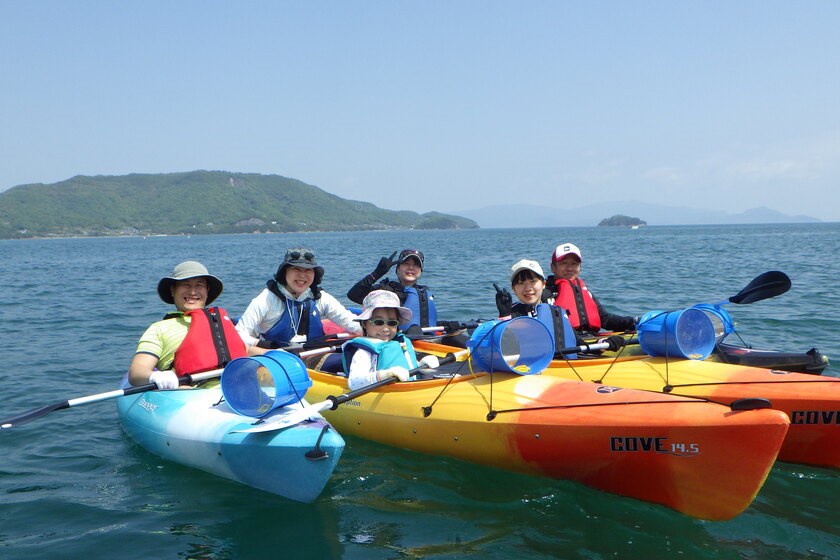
[(196, 428)]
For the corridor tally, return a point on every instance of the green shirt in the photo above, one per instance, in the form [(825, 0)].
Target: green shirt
[(163, 338)]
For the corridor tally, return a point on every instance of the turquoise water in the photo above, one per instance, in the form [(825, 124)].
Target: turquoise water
[(74, 486)]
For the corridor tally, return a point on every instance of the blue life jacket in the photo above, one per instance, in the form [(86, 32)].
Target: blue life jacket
[(555, 320), (389, 353), (308, 323), (559, 325), (421, 302)]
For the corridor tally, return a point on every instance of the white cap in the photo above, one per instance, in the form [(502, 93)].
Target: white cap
[(564, 250), (526, 264)]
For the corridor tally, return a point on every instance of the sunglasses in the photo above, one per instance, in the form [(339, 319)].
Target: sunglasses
[(296, 255), (381, 322)]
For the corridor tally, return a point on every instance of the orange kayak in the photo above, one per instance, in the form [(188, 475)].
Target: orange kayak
[(812, 402), (699, 458)]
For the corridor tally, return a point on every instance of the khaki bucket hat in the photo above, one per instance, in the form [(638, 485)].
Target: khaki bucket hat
[(185, 271)]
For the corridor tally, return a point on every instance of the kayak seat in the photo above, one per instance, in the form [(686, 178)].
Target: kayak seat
[(329, 363)]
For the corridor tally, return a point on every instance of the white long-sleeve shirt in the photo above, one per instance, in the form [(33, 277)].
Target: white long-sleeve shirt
[(266, 309)]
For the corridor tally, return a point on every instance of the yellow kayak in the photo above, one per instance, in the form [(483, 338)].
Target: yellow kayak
[(702, 459)]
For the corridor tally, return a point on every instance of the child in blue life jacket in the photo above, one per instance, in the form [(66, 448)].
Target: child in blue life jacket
[(383, 351)]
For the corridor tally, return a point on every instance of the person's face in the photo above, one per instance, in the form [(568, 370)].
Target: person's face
[(299, 279), (409, 271), (529, 288), (190, 294), (568, 268), (383, 331)]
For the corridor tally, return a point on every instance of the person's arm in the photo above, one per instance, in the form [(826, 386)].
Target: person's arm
[(248, 325), (362, 371), (330, 308), (366, 285), (141, 368)]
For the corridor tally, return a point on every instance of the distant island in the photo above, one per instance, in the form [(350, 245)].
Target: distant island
[(195, 202), (620, 220)]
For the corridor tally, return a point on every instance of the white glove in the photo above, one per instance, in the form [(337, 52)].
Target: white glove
[(165, 379), (397, 371), (430, 362)]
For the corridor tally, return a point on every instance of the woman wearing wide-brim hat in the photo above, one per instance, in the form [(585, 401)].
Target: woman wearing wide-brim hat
[(291, 307), (162, 355)]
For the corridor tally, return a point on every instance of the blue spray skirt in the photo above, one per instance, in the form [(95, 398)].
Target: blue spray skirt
[(687, 333), (522, 345), (254, 386)]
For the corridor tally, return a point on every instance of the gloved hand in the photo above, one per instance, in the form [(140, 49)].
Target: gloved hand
[(451, 326), (164, 380), (430, 362), (397, 371), (504, 302), (385, 264), (615, 342)]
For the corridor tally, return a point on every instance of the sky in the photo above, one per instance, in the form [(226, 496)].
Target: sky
[(436, 105)]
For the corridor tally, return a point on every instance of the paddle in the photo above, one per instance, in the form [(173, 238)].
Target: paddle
[(332, 402), (767, 285), (27, 417)]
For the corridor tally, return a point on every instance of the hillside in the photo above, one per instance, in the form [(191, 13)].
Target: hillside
[(196, 202)]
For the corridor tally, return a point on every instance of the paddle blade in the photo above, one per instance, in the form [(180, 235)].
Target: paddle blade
[(28, 417), (767, 285)]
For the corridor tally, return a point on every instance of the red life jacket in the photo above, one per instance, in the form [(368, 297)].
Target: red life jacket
[(574, 297), (211, 342)]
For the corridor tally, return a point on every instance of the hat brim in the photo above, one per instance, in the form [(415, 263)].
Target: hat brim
[(531, 270), (214, 288), (416, 258)]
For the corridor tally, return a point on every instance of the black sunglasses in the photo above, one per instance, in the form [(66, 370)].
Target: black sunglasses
[(307, 256), (380, 322)]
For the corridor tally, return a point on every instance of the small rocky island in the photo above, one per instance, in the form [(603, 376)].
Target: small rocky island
[(620, 220)]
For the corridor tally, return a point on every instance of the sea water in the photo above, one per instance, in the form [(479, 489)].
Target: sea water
[(73, 485)]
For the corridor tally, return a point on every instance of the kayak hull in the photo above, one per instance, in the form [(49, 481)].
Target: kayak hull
[(812, 402), (698, 458), (193, 428)]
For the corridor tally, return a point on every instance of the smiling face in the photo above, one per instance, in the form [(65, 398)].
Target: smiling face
[(190, 294), (409, 271), (299, 279), (383, 331), (528, 287), (568, 268)]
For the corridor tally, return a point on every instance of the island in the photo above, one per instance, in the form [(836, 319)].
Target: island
[(619, 220), (195, 202)]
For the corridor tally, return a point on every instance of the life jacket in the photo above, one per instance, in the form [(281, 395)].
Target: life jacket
[(211, 342), (555, 321), (389, 353), (575, 297), (299, 317), (421, 302)]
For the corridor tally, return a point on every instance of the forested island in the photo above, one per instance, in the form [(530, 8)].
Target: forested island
[(620, 220), (196, 202)]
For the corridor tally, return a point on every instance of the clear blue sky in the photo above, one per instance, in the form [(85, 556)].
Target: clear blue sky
[(442, 105)]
